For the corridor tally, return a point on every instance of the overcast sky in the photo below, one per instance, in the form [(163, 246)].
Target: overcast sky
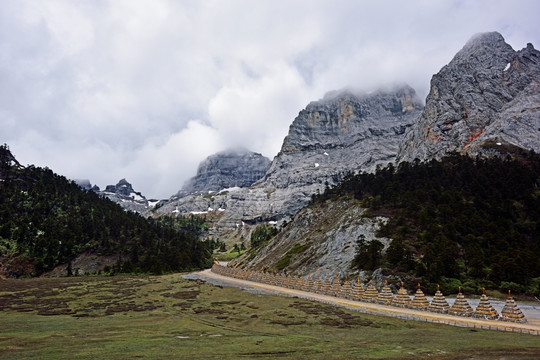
[(145, 90)]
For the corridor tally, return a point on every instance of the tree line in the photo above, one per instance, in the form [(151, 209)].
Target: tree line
[(47, 220), (472, 219)]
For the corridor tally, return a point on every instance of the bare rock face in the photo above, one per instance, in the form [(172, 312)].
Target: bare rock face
[(487, 94), (320, 240), (123, 194), (342, 133), (227, 169)]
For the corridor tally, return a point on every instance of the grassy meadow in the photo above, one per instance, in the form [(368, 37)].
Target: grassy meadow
[(168, 317)]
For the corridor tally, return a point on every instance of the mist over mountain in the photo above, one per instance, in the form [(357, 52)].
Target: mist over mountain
[(342, 133), (485, 98), (226, 169), (485, 102)]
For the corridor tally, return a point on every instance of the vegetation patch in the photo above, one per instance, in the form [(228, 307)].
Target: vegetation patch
[(288, 322), (262, 235), (229, 255), (209, 197), (295, 250), (333, 316), (189, 294), (477, 220)]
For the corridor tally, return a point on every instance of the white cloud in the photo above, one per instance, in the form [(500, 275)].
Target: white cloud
[(160, 166), (164, 167), (256, 111), (119, 83)]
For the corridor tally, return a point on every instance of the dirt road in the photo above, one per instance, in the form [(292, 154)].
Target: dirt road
[(531, 327)]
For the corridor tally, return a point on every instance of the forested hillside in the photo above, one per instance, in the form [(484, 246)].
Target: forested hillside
[(46, 220), (474, 222)]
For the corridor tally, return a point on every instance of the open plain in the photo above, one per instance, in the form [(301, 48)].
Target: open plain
[(164, 317)]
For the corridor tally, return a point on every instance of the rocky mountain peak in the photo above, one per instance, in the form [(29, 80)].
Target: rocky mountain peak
[(487, 42), (230, 168), (123, 194), (123, 187), (344, 117), (344, 132), (475, 98)]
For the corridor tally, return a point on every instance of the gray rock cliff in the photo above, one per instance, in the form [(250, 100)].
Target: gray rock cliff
[(123, 194), (488, 94), (327, 236), (226, 169), (344, 132), (341, 133)]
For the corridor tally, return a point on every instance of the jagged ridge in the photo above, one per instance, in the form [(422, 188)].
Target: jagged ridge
[(487, 96)]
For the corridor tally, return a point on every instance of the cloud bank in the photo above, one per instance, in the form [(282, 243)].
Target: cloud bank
[(147, 89)]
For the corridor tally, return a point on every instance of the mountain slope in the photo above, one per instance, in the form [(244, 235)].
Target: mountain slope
[(344, 132), (487, 95), (46, 220), (475, 220)]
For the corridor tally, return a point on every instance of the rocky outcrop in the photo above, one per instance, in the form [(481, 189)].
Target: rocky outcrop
[(123, 194), (319, 240), (487, 96), (342, 133), (227, 169)]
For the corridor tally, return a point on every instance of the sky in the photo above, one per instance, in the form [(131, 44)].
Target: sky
[(146, 89)]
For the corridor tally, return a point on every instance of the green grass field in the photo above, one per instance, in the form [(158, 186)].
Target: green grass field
[(167, 317)]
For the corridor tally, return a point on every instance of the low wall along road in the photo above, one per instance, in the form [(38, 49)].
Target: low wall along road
[(370, 300)]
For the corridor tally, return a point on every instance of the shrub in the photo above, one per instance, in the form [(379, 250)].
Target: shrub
[(262, 234), (450, 285), (512, 286)]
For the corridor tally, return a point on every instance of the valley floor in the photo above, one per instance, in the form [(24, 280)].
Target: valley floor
[(169, 317)]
